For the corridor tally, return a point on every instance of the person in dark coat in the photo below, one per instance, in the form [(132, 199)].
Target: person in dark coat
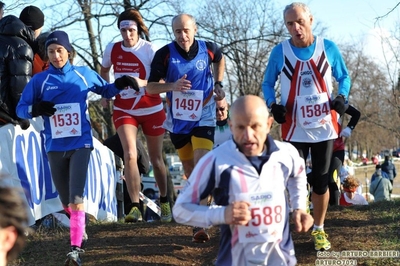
[(17, 39), (390, 169)]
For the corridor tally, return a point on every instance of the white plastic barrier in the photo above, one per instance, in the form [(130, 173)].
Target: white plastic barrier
[(23, 163)]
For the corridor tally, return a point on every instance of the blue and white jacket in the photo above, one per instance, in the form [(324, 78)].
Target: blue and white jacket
[(273, 184)]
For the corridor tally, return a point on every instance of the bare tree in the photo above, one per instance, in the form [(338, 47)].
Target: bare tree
[(371, 94), (92, 25), (385, 15), (246, 32)]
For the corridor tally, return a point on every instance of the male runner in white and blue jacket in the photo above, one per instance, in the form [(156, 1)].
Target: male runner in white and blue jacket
[(256, 181)]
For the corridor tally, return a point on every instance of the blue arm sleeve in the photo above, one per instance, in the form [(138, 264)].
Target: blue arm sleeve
[(99, 85), (271, 74), (339, 69)]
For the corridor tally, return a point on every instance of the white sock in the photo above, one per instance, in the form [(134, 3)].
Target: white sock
[(318, 227)]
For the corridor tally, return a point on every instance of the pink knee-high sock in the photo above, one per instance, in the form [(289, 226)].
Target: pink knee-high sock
[(77, 227)]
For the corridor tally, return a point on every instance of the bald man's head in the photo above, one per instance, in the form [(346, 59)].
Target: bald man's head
[(249, 103), (250, 124)]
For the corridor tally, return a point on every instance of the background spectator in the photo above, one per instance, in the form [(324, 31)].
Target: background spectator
[(17, 42), (222, 130), (41, 60), (378, 172), (340, 167), (375, 160), (350, 196), (389, 168), (13, 224), (346, 170), (380, 188)]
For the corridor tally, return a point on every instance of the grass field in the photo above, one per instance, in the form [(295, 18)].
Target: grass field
[(367, 230), (360, 235)]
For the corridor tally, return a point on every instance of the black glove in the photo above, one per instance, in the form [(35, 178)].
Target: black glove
[(338, 105), (24, 123), (5, 118), (126, 81), (43, 108), (279, 112)]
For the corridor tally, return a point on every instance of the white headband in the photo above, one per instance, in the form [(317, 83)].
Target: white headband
[(128, 24)]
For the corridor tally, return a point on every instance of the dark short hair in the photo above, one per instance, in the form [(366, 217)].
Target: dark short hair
[(41, 42), (2, 5), (14, 212)]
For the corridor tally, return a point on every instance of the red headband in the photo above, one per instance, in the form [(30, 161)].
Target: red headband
[(350, 189)]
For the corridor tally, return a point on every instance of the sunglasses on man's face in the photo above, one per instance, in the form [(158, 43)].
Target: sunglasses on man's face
[(220, 109)]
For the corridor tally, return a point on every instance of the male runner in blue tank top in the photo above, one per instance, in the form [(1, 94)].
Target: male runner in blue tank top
[(184, 66)]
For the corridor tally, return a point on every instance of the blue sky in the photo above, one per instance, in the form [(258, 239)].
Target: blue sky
[(347, 21), (350, 19), (354, 22)]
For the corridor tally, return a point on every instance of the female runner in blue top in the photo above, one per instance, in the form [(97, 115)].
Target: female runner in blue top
[(59, 94)]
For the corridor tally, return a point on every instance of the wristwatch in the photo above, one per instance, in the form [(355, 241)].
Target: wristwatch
[(219, 83)]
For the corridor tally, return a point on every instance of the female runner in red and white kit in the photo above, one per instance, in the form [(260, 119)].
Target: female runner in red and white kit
[(133, 108)]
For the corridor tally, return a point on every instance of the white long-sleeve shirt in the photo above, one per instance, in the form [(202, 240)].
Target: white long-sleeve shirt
[(229, 175)]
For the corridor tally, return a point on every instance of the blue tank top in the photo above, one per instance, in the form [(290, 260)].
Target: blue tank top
[(199, 73)]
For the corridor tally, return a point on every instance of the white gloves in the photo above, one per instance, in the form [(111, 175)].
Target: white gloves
[(345, 132)]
